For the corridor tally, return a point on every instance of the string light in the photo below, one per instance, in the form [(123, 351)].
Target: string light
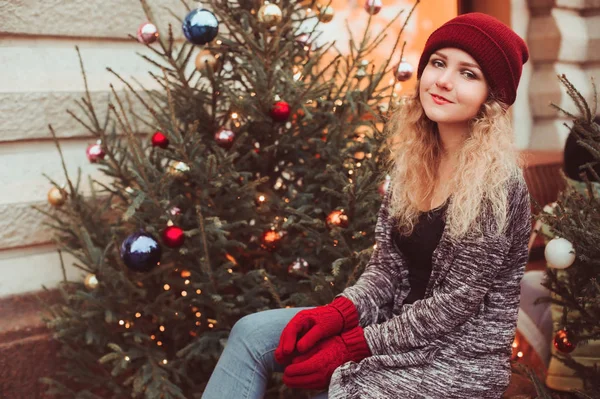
[(166, 287), (198, 314), (121, 322), (138, 315), (185, 273), (159, 343), (164, 361), (198, 292), (161, 328), (231, 259), (187, 282), (183, 293)]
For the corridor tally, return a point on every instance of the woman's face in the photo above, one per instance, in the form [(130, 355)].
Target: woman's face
[(452, 87)]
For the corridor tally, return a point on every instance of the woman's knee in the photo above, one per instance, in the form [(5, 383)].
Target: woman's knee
[(264, 323), (248, 324)]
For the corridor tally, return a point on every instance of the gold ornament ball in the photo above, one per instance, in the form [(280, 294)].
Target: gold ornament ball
[(325, 14), (205, 60), (57, 196), (270, 239), (90, 282), (337, 219), (178, 169), (270, 14)]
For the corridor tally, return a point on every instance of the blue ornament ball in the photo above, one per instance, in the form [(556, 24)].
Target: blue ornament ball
[(141, 252), (200, 26)]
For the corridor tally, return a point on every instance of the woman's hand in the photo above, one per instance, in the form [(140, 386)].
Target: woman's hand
[(314, 369), (312, 325)]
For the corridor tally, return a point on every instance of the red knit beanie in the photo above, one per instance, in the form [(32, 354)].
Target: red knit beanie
[(498, 50)]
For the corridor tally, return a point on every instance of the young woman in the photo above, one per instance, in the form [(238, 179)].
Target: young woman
[(434, 313)]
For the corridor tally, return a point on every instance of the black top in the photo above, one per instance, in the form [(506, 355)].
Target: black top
[(418, 249)]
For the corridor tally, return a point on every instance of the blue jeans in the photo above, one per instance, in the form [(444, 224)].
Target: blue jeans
[(245, 366)]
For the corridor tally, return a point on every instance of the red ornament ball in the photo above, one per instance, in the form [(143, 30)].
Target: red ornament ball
[(384, 186), (173, 236), (376, 4), (404, 71), (95, 153), (160, 140), (280, 111), (224, 138), (147, 33), (563, 341), (337, 219)]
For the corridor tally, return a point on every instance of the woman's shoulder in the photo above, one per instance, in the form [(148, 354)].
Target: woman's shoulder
[(517, 190)]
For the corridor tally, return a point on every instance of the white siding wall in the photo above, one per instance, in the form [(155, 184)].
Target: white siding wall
[(563, 38), (39, 79)]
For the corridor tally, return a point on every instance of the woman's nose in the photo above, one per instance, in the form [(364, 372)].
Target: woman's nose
[(444, 81)]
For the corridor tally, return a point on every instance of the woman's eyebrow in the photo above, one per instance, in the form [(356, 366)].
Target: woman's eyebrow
[(469, 64)]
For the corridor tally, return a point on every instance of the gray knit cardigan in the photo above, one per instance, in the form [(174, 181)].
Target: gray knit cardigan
[(457, 341)]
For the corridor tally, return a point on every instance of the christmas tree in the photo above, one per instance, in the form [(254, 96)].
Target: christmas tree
[(572, 226), (258, 189)]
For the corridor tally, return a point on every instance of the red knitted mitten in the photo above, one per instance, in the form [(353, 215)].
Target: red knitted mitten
[(309, 326), (314, 369)]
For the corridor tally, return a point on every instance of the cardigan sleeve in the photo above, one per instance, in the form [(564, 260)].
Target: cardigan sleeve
[(377, 284), (475, 265)]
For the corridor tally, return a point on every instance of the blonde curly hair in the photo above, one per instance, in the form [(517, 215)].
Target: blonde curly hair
[(487, 161)]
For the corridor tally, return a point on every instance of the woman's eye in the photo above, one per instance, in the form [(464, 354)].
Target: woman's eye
[(469, 75), (437, 63)]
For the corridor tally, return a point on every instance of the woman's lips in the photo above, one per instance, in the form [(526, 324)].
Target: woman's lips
[(440, 100)]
